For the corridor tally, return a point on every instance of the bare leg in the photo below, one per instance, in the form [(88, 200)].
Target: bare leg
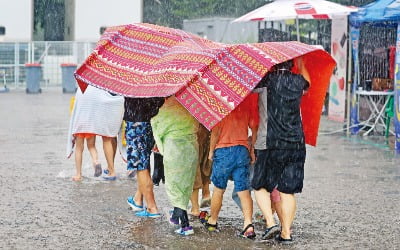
[(264, 203), (288, 211), (194, 199), (138, 197), (146, 188), (247, 207), (205, 191), (114, 145), (91, 145), (205, 195), (109, 154), (216, 204), (277, 207), (79, 142)]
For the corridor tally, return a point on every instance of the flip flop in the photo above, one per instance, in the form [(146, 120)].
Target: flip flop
[(283, 241), (97, 170), (270, 232), (135, 207), (145, 213), (248, 235), (109, 178)]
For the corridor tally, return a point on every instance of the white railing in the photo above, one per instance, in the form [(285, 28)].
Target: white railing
[(50, 55)]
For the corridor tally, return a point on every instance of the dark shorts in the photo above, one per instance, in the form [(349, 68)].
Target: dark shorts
[(283, 169), (231, 163), (140, 141)]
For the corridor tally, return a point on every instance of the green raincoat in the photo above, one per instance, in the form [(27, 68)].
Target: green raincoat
[(174, 130)]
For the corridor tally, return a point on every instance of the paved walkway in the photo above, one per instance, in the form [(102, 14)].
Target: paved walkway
[(351, 195)]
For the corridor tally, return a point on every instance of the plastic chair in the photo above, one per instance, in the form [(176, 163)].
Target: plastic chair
[(389, 111)]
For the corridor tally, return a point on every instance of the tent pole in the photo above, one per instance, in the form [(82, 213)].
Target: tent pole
[(349, 83), (297, 29)]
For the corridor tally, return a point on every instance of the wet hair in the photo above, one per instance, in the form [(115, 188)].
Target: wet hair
[(284, 65)]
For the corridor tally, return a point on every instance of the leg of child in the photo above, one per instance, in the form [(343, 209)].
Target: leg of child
[(91, 145), (79, 141), (109, 154), (146, 188), (216, 203), (194, 199), (247, 208), (276, 203), (264, 203)]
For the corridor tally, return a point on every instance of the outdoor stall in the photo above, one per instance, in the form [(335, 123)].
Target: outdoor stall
[(280, 10), (375, 36)]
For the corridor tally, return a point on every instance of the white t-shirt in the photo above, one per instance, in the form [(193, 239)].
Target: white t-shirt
[(261, 142)]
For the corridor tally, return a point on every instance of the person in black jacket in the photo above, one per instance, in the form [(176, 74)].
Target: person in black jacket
[(281, 165)]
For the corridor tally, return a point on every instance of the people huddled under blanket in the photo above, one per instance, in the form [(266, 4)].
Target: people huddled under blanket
[(264, 134)]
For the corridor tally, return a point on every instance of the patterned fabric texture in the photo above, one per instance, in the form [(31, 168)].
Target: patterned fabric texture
[(208, 78), (140, 141)]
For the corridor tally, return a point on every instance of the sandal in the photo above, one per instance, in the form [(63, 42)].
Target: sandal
[(203, 217), (97, 170), (248, 235), (211, 227), (270, 232), (284, 241)]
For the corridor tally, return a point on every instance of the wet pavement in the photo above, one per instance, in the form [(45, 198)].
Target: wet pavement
[(350, 200)]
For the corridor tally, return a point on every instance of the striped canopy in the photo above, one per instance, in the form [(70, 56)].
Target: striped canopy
[(209, 79)]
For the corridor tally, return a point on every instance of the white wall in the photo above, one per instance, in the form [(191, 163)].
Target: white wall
[(90, 15), (221, 29), (16, 16)]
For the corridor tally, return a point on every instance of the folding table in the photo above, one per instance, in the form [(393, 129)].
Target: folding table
[(377, 102)]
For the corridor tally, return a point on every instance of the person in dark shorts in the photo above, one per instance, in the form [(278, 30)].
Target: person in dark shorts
[(232, 155), (140, 142), (282, 163)]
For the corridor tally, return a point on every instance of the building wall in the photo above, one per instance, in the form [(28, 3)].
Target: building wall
[(221, 29), (91, 15), (16, 17), (69, 21)]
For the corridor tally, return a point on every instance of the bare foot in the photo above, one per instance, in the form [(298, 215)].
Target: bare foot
[(77, 178), (205, 202), (195, 213)]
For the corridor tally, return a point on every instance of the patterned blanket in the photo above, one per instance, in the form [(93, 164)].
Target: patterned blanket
[(209, 79)]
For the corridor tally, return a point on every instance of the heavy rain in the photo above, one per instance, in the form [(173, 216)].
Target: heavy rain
[(351, 190)]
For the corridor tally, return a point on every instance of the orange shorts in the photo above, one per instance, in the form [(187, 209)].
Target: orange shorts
[(84, 135)]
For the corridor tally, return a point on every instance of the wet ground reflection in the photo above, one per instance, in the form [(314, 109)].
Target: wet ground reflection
[(350, 197)]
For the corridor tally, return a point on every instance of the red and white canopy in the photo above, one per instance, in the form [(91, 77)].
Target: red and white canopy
[(296, 9)]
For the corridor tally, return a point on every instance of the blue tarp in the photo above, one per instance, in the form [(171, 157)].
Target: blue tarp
[(376, 12)]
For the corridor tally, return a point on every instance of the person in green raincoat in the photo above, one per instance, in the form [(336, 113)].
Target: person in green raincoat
[(175, 133)]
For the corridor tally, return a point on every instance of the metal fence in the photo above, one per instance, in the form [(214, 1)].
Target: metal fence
[(50, 55)]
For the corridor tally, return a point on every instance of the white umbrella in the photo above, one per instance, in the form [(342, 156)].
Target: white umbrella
[(296, 9)]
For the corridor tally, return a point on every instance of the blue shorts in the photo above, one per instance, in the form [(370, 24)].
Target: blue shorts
[(231, 163), (140, 142)]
